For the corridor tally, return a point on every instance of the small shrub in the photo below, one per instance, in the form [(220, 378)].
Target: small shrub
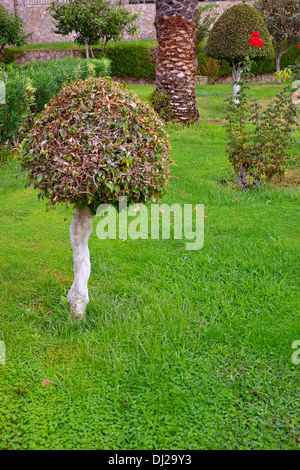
[(259, 141), (96, 141), (212, 70), (46, 79), (9, 56), (17, 108), (11, 30)]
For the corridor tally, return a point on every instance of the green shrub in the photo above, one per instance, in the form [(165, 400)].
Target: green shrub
[(230, 36), (130, 61), (263, 65), (11, 30), (259, 141), (96, 141), (46, 79), (19, 99), (212, 70), (9, 56)]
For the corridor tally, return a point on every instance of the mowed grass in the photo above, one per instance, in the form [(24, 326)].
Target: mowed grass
[(71, 45), (181, 349)]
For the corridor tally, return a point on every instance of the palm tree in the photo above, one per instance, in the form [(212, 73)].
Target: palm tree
[(175, 24)]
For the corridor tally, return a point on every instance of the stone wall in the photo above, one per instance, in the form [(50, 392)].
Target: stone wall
[(146, 22), (38, 21), (43, 56), (261, 78), (8, 4)]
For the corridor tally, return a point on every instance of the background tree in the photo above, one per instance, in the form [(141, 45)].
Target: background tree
[(93, 21), (282, 18), (206, 18), (175, 24), (231, 37), (93, 143), (11, 30)]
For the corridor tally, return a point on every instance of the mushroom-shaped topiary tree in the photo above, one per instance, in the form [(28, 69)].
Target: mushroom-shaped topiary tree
[(231, 38), (95, 142)]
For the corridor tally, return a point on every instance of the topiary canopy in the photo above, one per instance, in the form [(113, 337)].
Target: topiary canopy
[(230, 35), (94, 142)]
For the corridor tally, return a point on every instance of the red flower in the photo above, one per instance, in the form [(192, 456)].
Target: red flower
[(299, 45), (255, 40)]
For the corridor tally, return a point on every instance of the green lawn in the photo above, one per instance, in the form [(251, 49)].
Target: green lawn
[(69, 45), (181, 349)]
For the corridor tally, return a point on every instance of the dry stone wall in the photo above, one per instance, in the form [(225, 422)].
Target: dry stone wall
[(43, 56), (8, 4)]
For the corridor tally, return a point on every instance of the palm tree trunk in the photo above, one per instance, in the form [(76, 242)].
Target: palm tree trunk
[(175, 24)]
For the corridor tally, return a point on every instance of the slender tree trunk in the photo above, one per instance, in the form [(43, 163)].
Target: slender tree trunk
[(92, 52), (87, 49), (278, 57), (80, 231), (176, 56), (236, 77)]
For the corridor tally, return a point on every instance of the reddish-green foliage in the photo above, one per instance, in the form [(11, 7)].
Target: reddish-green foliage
[(94, 142)]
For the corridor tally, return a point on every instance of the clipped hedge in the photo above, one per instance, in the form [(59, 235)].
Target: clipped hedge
[(134, 61), (264, 65), (130, 61), (29, 87)]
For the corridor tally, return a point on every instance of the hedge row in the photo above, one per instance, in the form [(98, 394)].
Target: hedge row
[(134, 61), (265, 65), (29, 87)]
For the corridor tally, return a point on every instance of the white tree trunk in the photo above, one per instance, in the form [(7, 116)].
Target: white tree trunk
[(92, 52), (236, 76), (80, 231), (278, 57), (87, 56)]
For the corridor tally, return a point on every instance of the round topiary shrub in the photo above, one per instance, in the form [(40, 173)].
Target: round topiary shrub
[(231, 38), (95, 142)]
